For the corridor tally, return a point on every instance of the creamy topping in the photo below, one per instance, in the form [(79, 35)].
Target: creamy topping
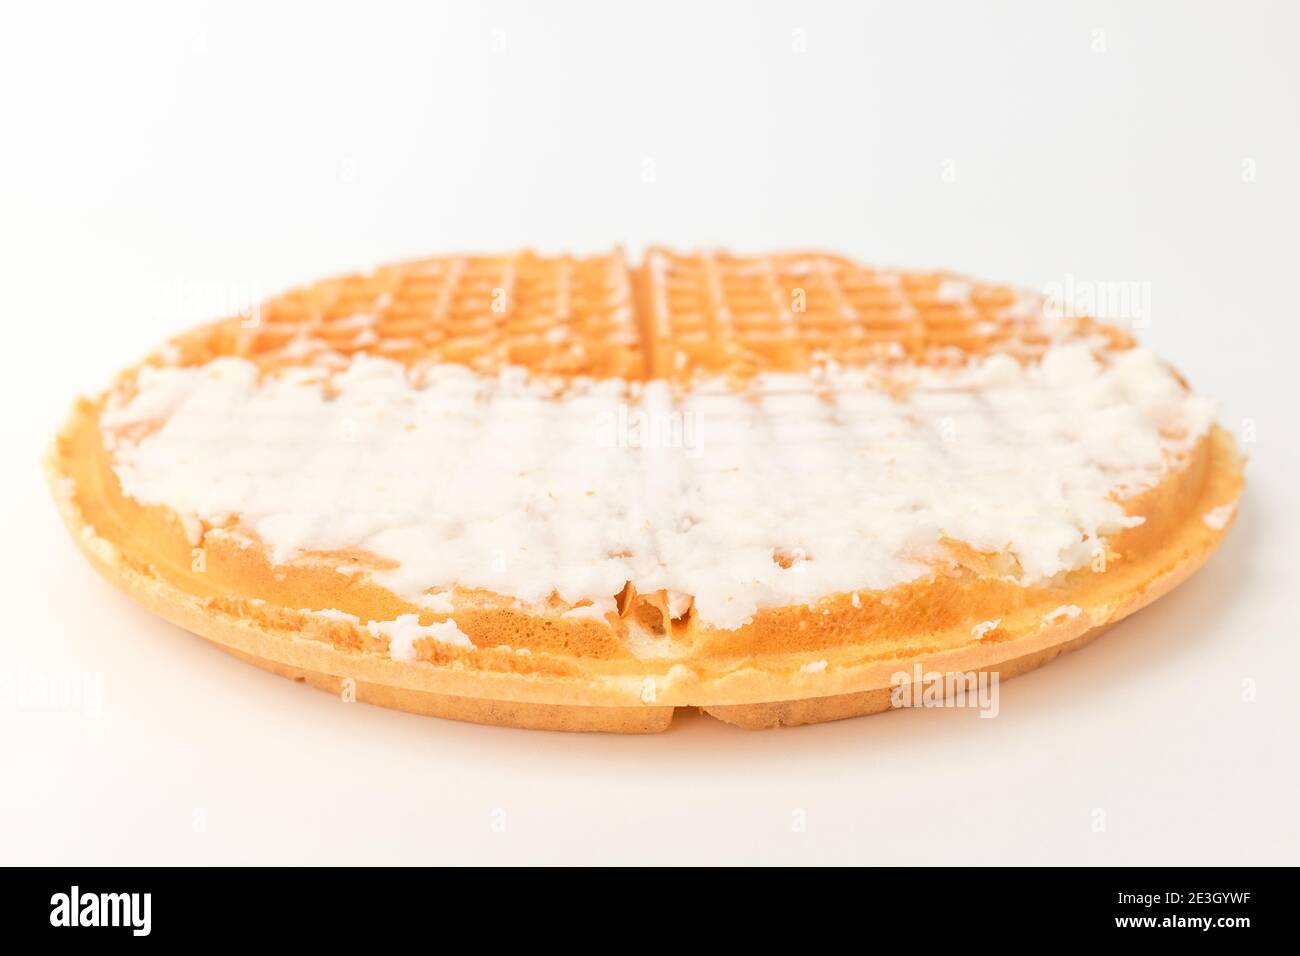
[(984, 627), (438, 603), (333, 614), (1216, 519), (780, 492), (403, 632), (1066, 612), (595, 611)]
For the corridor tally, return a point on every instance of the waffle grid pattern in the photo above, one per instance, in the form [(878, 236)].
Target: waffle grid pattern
[(552, 315), (718, 313), (677, 316)]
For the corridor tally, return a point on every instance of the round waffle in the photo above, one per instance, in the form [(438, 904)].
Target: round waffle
[(441, 486)]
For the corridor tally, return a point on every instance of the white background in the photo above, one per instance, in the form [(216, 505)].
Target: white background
[(158, 160)]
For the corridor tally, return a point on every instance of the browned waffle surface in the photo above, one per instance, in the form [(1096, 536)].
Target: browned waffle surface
[(553, 315), (677, 316), (717, 313)]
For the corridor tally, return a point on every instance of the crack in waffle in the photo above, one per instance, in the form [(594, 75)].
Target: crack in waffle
[(391, 479)]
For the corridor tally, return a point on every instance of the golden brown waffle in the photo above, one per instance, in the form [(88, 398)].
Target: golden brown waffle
[(716, 313), (677, 317), (691, 315), (560, 315)]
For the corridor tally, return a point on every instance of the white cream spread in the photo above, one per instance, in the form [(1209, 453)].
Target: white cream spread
[(403, 632), (595, 611), (984, 627), (1066, 612), (438, 603), (1216, 519), (333, 614), (793, 488)]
